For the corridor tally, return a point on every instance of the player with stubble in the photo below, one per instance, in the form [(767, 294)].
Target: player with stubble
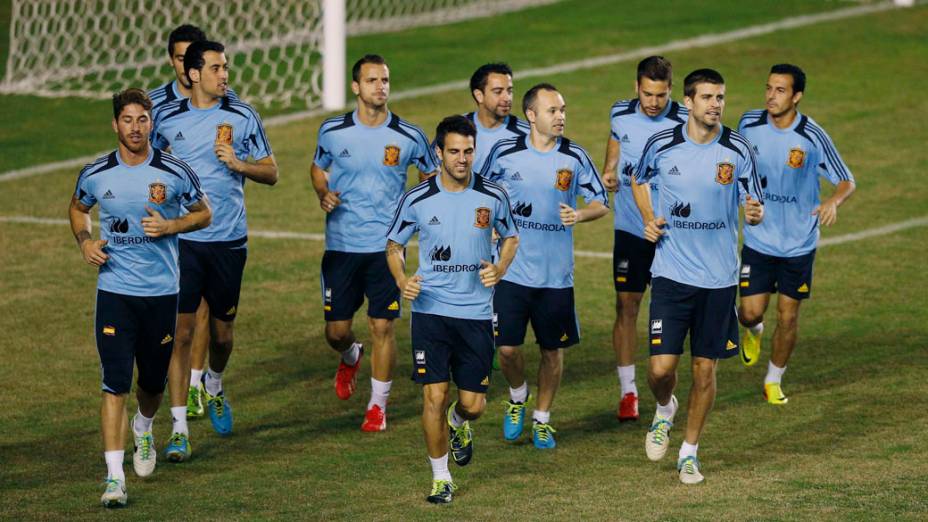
[(455, 215), (705, 171), (140, 191)]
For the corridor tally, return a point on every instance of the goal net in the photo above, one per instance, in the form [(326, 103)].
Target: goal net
[(92, 48)]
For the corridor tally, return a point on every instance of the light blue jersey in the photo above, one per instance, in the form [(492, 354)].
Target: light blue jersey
[(701, 188), (191, 134), (169, 92), (511, 127), (454, 237), (138, 265), (790, 162), (538, 182), (632, 128), (367, 166)]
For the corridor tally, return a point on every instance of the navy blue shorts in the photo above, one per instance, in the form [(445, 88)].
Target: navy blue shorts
[(135, 330), (447, 347), (763, 274), (631, 262), (707, 314), (550, 310), (213, 271), (347, 277)]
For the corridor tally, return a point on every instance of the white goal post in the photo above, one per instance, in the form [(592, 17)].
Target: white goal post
[(284, 53)]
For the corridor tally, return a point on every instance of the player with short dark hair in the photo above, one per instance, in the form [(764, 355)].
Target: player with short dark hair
[(491, 89), (178, 41), (140, 191), (544, 173), (633, 122), (793, 153), (454, 214), (705, 170), (215, 135), (359, 174)]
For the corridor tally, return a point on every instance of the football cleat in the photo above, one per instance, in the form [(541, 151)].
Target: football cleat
[(689, 470), (195, 402), (220, 412), (750, 347), (375, 419), (543, 435), (773, 394), (144, 456), (513, 418), (114, 495), (442, 492), (628, 408), (460, 439), (657, 440), (346, 377), (178, 448)]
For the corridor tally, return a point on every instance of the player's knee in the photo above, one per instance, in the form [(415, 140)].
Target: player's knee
[(787, 319), (472, 407), (434, 399), (628, 305), (750, 315), (222, 340), (337, 335), (381, 328), (507, 354), (660, 374), (552, 358), (183, 331), (703, 374)]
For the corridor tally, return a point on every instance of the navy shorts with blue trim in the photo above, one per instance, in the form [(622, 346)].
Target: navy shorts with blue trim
[(212, 271), (135, 330), (448, 347), (550, 310), (631, 262), (347, 277), (765, 274), (707, 314)]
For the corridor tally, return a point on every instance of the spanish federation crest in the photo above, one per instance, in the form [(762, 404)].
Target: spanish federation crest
[(796, 159), (391, 155), (564, 177), (482, 217), (157, 192), (724, 172)]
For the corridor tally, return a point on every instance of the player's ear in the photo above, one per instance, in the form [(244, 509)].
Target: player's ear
[(478, 95), (193, 75), (115, 127), (355, 88), (797, 97)]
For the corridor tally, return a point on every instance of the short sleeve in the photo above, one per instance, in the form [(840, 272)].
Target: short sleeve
[(256, 138), (405, 223), (83, 191), (589, 185), (323, 157)]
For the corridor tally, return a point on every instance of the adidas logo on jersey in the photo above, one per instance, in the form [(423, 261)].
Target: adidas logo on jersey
[(674, 171), (434, 221), (516, 176), (109, 195), (625, 139), (344, 154), (180, 137)]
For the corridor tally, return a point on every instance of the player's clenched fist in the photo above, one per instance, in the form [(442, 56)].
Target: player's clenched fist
[(330, 200), (653, 230), (412, 287), (490, 274), (93, 251), (753, 211)]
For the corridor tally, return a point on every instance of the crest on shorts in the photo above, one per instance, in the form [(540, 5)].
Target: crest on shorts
[(224, 133), (391, 155), (796, 159), (724, 172), (157, 192), (482, 217), (564, 177)]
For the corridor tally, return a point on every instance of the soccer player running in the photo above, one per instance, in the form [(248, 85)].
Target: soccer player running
[(454, 214), (792, 153), (633, 122), (215, 135), (178, 41), (140, 191), (543, 173), (491, 88), (359, 174), (705, 170)]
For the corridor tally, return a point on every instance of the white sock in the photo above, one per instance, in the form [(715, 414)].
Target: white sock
[(114, 464), (456, 420), (213, 382), (195, 376), (627, 379), (542, 417), (688, 450), (440, 468), (380, 392), (757, 329), (179, 415), (142, 423), (668, 410), (774, 373), (350, 356), (519, 394)]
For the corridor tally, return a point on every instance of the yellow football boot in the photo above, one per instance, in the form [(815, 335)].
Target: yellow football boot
[(750, 347), (774, 394)]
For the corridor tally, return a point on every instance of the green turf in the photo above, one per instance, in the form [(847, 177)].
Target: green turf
[(849, 446)]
